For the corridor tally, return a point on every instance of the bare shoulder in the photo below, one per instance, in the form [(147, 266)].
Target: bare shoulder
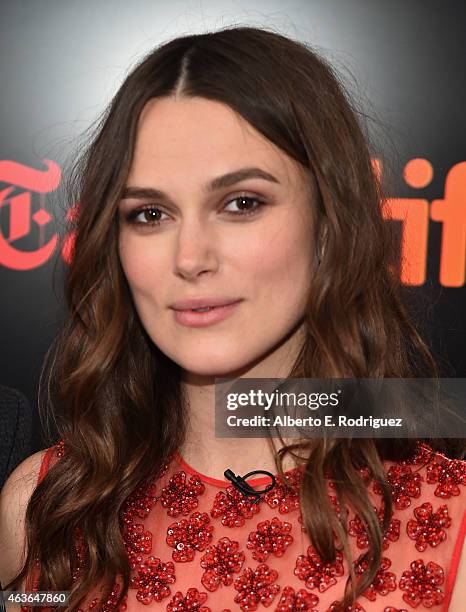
[(14, 498)]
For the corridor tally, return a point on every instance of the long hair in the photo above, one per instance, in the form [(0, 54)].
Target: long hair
[(117, 401)]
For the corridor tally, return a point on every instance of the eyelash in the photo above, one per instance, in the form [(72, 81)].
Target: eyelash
[(131, 217)]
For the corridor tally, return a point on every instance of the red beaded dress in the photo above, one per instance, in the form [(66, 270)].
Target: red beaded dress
[(195, 543)]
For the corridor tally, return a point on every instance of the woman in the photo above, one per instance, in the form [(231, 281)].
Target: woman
[(230, 171)]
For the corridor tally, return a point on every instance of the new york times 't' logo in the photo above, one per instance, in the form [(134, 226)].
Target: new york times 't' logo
[(21, 218)]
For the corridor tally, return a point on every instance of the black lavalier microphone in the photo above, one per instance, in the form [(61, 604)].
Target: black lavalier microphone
[(239, 482)]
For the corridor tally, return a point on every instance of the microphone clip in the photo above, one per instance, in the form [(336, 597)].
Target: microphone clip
[(239, 482)]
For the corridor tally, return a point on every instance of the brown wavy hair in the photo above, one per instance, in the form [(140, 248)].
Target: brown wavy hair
[(116, 400)]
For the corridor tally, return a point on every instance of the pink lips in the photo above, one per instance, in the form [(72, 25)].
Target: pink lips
[(203, 301), (190, 318)]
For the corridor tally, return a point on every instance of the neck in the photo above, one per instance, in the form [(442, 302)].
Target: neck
[(211, 455)]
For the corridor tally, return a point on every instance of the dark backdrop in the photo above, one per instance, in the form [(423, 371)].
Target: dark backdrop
[(62, 61)]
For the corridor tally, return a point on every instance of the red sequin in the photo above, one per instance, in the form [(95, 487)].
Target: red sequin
[(81, 554), (285, 494), (110, 604), (220, 562), (365, 474), (404, 484), (423, 455), (316, 573), (301, 600), (421, 584), (233, 508), (336, 506), (357, 529), (137, 541), (382, 583), (256, 586), (270, 537), (60, 449), (193, 601), (153, 580), (180, 495), (141, 501), (447, 474), (136, 538), (429, 527), (189, 535)]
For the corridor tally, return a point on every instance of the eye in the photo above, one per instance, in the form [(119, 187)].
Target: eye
[(154, 216), (245, 201)]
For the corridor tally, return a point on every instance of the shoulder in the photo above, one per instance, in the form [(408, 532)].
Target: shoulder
[(430, 477), (430, 495), (446, 476), (14, 498)]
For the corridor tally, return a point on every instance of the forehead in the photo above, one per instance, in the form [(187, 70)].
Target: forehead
[(201, 138)]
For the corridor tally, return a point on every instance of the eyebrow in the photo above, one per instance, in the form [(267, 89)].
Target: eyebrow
[(220, 182)]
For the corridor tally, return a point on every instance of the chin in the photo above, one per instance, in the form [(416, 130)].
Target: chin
[(210, 370), (213, 363)]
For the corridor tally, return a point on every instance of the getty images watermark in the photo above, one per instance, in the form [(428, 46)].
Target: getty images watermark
[(344, 407)]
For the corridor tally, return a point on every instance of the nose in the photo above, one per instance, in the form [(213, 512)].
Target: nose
[(195, 250)]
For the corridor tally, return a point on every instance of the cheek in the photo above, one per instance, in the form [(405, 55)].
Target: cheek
[(141, 265), (280, 263)]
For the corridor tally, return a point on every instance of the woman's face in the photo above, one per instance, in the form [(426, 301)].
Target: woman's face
[(194, 239)]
